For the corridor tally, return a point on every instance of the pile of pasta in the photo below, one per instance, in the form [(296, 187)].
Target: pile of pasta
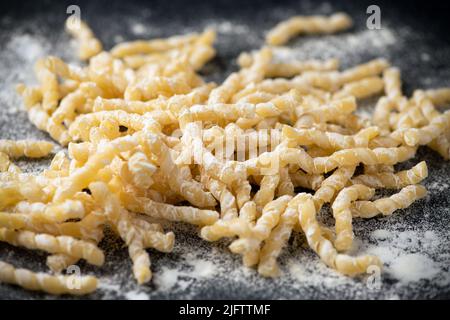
[(140, 125)]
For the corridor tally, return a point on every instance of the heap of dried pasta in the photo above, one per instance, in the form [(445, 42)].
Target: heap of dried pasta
[(144, 134)]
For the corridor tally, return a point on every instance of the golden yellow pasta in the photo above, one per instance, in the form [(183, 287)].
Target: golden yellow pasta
[(386, 206), (307, 25), (45, 282), (391, 180), (324, 248), (343, 216), (26, 148), (151, 142), (89, 45), (61, 244)]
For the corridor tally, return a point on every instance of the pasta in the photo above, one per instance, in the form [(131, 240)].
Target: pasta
[(44, 282), (308, 25), (253, 159)]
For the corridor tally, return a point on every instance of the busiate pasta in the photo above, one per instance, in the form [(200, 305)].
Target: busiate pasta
[(148, 139)]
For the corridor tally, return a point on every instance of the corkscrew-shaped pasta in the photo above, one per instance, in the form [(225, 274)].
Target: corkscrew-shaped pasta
[(307, 25), (386, 206), (391, 180), (76, 285), (329, 140), (26, 148), (88, 44), (345, 264), (278, 238), (249, 247), (343, 216), (149, 140), (51, 244)]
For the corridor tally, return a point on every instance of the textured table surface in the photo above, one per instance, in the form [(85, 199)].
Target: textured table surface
[(414, 243)]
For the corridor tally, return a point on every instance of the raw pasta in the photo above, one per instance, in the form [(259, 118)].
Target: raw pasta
[(149, 140)]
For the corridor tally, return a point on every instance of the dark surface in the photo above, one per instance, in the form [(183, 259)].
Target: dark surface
[(430, 25)]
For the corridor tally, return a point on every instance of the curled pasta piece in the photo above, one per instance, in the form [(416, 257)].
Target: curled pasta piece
[(346, 157), (345, 264), (307, 25), (52, 212), (123, 222), (179, 177), (439, 96), (332, 185), (365, 70), (343, 216), (153, 235), (89, 228), (227, 200), (329, 140), (392, 83), (228, 228), (73, 102), (30, 95), (47, 283), (49, 85), (361, 89), (27, 148), (81, 177), (42, 121), (88, 44), (350, 157), (156, 45), (277, 240), (266, 193), (59, 262), (305, 118), (81, 127), (441, 145), (386, 206), (249, 246), (141, 170), (424, 135), (290, 69), (172, 213), (393, 180), (16, 187), (51, 244), (381, 114), (238, 80)]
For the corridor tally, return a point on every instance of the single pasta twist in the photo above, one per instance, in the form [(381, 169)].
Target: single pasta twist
[(43, 282), (307, 25), (60, 244), (345, 264), (386, 206), (393, 180), (343, 216), (27, 148)]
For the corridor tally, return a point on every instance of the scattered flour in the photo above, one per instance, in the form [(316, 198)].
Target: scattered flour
[(406, 254), (438, 185), (228, 28), (167, 278), (413, 267), (347, 47), (425, 57), (402, 253), (109, 287), (197, 269), (381, 234), (136, 295), (138, 29)]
